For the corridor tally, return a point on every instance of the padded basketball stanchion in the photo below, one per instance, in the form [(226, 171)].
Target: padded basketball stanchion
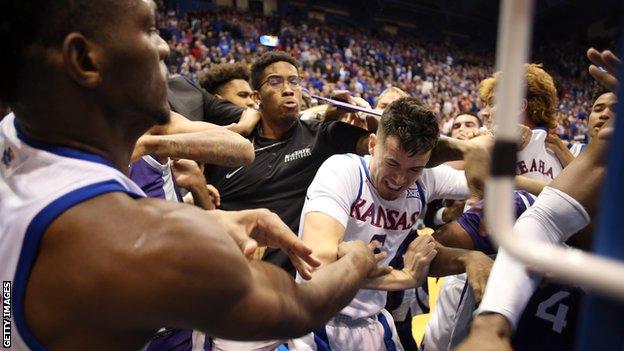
[(601, 274), (602, 318)]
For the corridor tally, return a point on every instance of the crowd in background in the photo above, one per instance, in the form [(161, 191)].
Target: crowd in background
[(344, 57)]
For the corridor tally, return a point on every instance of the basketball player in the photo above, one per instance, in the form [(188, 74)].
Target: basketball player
[(561, 210), (602, 110), (539, 113), (230, 82), (289, 150), (463, 124), (378, 199), (93, 264)]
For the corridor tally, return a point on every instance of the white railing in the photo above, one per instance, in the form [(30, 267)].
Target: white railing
[(575, 266)]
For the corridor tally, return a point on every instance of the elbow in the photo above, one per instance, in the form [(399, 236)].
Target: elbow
[(248, 154)]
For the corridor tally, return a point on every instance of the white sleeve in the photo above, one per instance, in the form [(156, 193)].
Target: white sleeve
[(334, 188), (553, 218), (445, 182)]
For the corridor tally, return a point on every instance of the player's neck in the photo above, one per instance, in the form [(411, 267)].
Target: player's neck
[(275, 130), (89, 132)]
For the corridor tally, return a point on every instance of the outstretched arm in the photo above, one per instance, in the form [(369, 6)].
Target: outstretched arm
[(575, 190), (198, 141), (157, 263)]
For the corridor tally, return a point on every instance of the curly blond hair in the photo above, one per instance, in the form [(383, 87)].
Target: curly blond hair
[(541, 95)]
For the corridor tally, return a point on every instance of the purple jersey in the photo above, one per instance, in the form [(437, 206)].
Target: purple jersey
[(155, 179), (471, 222)]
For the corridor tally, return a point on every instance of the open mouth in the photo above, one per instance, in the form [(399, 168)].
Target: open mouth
[(393, 187)]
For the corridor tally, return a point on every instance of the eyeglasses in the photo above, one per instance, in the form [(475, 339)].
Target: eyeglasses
[(277, 82)]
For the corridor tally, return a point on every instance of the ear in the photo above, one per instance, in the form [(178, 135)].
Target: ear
[(80, 60), (372, 142), (523, 105), (255, 96)]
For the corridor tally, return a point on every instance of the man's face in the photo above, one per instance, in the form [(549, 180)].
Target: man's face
[(386, 99), (462, 125), (489, 110), (280, 103), (602, 111), (238, 92), (134, 77), (392, 169)]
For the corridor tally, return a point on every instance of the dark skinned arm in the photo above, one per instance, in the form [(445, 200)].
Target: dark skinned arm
[(128, 267)]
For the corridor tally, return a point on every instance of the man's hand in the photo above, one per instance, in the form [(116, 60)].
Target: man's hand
[(559, 147), (489, 332), (416, 260), (189, 176), (604, 68), (250, 228), (247, 122), (139, 149), (453, 209), (357, 119), (477, 164), (478, 266), (359, 247)]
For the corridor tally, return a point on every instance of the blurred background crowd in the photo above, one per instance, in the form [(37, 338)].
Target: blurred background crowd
[(344, 57)]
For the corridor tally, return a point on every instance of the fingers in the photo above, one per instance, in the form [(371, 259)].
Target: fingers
[(269, 230), (304, 270), (247, 245), (604, 78), (604, 68)]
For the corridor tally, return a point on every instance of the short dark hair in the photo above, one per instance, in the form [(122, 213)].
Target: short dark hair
[(414, 124), (264, 61), (598, 93), (43, 22), (219, 75), (479, 122)]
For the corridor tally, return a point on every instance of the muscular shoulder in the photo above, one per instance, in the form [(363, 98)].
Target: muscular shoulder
[(133, 254)]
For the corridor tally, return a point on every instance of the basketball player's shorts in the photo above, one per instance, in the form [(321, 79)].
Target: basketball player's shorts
[(375, 333), (230, 345)]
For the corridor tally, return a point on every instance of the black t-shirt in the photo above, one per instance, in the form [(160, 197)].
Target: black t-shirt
[(196, 104), (280, 175)]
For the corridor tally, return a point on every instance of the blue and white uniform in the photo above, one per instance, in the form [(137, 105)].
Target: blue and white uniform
[(536, 161), (38, 183), (343, 190)]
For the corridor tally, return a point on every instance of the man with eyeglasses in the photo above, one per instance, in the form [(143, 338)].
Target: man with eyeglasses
[(288, 152)]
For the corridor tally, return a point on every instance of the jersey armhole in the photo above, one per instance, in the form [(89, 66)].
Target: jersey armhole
[(32, 240)]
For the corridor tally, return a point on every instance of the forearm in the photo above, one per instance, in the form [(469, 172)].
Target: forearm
[(533, 186), (449, 261), (219, 147), (447, 149), (494, 323), (396, 280), (292, 309)]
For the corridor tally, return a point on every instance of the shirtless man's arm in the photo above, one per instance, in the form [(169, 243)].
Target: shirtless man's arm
[(118, 269)]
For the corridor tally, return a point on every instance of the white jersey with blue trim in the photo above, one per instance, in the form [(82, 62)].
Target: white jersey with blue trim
[(536, 161), (343, 190), (38, 182)]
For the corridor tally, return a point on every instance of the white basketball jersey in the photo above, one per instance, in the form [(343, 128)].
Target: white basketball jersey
[(342, 189), (536, 161), (38, 182)]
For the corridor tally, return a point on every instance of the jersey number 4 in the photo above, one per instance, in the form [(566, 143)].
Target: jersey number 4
[(559, 319)]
